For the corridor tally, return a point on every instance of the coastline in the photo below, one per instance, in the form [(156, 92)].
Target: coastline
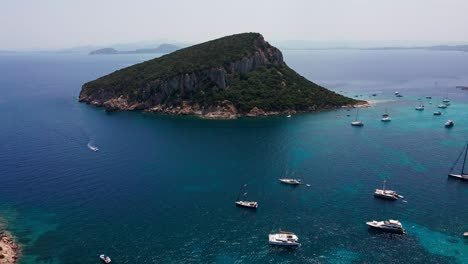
[(9, 250)]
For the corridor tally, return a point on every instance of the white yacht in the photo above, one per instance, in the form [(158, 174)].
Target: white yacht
[(284, 239), (386, 194), (242, 203), (449, 123), (291, 181), (419, 107), (442, 106), (391, 226), (463, 175), (104, 258)]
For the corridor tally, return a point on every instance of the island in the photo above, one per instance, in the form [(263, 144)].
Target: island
[(163, 48), (230, 77)]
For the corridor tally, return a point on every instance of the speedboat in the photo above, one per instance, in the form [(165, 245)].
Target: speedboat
[(93, 148), (419, 107), (105, 258), (437, 113), (390, 226), (449, 123), (357, 123), (442, 106), (248, 204), (284, 239), (291, 181)]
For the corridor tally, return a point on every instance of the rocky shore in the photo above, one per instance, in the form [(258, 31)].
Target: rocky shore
[(9, 250)]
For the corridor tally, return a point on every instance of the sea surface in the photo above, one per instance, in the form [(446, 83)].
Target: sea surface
[(161, 189)]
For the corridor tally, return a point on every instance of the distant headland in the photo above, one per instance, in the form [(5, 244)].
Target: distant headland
[(163, 48), (230, 77)]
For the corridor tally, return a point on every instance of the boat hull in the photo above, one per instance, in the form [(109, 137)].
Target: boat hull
[(388, 230), (458, 176), (386, 197), (247, 205), (282, 244)]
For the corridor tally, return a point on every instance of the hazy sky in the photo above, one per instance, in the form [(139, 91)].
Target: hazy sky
[(67, 23)]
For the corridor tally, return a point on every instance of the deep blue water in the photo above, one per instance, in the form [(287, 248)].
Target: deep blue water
[(161, 189)]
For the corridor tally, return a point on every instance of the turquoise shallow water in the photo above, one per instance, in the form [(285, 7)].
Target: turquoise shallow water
[(161, 189)]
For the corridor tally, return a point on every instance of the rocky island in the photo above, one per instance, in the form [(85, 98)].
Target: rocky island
[(230, 77)]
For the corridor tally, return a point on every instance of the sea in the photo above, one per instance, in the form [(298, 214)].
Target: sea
[(161, 189)]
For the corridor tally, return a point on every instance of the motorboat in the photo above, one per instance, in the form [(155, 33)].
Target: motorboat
[(284, 239), (449, 123), (420, 107), (93, 148), (390, 226), (291, 181), (248, 204), (446, 100), (386, 119), (442, 106), (437, 113), (104, 258)]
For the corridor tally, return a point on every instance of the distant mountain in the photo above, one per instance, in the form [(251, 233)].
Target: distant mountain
[(163, 48), (238, 75)]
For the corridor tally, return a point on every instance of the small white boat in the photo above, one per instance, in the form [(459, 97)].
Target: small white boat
[(288, 116), (446, 100), (247, 204), (419, 107), (391, 226), (93, 148), (437, 113), (442, 106), (449, 123), (465, 234), (104, 258), (396, 93), (291, 181), (284, 239), (386, 119)]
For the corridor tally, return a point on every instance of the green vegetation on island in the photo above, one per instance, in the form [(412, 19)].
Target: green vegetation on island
[(236, 73)]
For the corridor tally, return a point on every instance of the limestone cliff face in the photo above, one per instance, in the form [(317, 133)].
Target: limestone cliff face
[(156, 91), (238, 75)]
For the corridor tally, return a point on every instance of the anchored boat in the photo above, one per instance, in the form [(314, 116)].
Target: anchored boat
[(291, 181), (357, 122), (390, 226), (462, 175), (242, 203), (284, 239), (386, 194), (104, 258), (449, 123)]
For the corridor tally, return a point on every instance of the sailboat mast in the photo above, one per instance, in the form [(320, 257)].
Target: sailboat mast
[(357, 112), (384, 185), (464, 160), (240, 190)]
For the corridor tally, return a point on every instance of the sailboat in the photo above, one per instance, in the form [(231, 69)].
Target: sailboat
[(386, 117), (462, 175), (420, 107), (357, 122), (247, 204), (386, 194)]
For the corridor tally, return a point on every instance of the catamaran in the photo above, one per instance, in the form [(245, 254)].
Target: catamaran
[(242, 203), (386, 194), (463, 175), (357, 122), (284, 239)]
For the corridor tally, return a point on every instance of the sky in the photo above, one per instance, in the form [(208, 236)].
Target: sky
[(55, 24)]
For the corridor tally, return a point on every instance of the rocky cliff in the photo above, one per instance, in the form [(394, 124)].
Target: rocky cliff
[(234, 76)]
